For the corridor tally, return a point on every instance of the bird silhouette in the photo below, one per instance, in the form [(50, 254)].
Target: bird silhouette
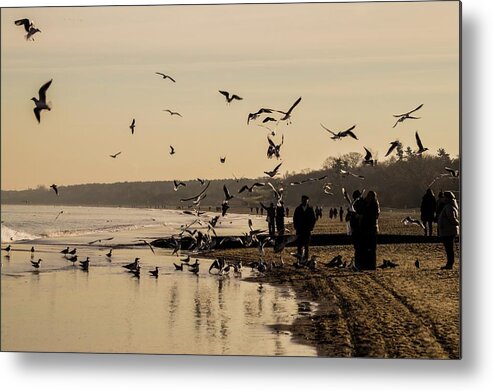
[(177, 185), (403, 117), (230, 97), (274, 172), (36, 264), (132, 126), (420, 145), (115, 155), (222, 159), (166, 76), (41, 102), (368, 159), (155, 272), (172, 113), (55, 188), (339, 135), (393, 145)]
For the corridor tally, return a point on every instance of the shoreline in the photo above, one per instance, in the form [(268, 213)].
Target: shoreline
[(391, 313)]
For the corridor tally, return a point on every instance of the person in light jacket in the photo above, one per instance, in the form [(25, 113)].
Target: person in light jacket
[(448, 226)]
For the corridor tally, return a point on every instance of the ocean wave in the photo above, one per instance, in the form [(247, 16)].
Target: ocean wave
[(11, 235), (91, 231)]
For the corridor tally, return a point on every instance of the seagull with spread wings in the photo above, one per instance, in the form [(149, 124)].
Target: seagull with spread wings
[(403, 117), (393, 145), (287, 115), (55, 188), (274, 172), (308, 180), (115, 155), (421, 149), (227, 194), (198, 196), (346, 173), (250, 188), (368, 159), (177, 185), (410, 221), (166, 76), (230, 97), (339, 135), (28, 26), (41, 102), (274, 149), (172, 113)]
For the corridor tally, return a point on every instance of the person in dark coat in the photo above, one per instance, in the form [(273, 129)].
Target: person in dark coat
[(448, 226), (341, 214), (287, 211), (369, 228), (353, 217), (303, 222), (280, 218), (331, 213), (271, 218), (440, 205), (428, 210)]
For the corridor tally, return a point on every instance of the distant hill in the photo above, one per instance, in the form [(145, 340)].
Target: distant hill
[(399, 183)]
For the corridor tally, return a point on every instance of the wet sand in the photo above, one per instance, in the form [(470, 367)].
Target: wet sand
[(392, 313)]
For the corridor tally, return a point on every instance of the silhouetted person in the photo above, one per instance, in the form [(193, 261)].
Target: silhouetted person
[(440, 205), (262, 211), (256, 210), (287, 211), (353, 217), (428, 210), (341, 214), (335, 213), (369, 227), (303, 222), (331, 213), (271, 218), (280, 218), (448, 226), (320, 211)]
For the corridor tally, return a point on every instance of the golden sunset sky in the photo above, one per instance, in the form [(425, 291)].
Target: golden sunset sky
[(350, 63)]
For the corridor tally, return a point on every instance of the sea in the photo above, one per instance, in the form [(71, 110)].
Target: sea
[(59, 307)]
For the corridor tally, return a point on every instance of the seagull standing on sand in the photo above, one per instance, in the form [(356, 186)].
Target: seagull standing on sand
[(230, 97), (110, 253), (35, 264), (85, 264), (41, 102), (403, 117), (166, 76), (155, 272)]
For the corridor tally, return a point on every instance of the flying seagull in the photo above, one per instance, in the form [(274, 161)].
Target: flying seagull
[(452, 172), (327, 189), (55, 188), (368, 159), (254, 116), (410, 221), (339, 135), (230, 97), (172, 113), (227, 194), (115, 155), (41, 102), (403, 117), (171, 150), (166, 76), (178, 185), (132, 126), (287, 114), (274, 149), (28, 26), (196, 197), (346, 173), (222, 159), (420, 145), (393, 145), (250, 188), (274, 172), (308, 180)]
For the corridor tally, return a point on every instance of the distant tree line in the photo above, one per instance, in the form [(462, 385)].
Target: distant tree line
[(399, 182)]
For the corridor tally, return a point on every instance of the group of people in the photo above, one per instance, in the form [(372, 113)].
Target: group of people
[(275, 218), (333, 212)]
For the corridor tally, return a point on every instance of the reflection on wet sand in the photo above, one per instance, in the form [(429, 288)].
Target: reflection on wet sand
[(60, 307)]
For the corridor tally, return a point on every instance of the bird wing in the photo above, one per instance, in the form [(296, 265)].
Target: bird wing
[(271, 143), (243, 188), (172, 149), (226, 192), (37, 114), (349, 133), (346, 197), (162, 74), (368, 154), (23, 22), (225, 93), (116, 154), (169, 77), (293, 106), (418, 141), (277, 167), (328, 130), (198, 195), (234, 96), (42, 90), (274, 189), (392, 147), (416, 109)]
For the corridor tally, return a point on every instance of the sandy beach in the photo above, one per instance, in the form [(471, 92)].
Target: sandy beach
[(392, 313)]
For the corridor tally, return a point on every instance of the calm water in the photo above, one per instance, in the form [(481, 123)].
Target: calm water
[(63, 308)]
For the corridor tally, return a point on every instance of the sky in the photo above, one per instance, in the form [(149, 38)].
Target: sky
[(352, 64)]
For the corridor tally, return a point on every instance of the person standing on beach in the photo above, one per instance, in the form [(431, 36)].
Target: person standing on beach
[(304, 221), (369, 226), (353, 217), (428, 209), (280, 218), (448, 226), (271, 218), (287, 211), (341, 214)]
